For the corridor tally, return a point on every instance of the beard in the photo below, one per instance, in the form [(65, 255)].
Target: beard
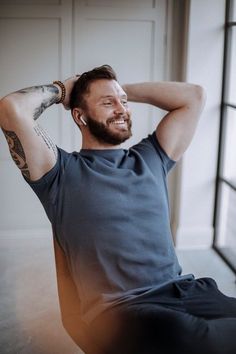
[(104, 133)]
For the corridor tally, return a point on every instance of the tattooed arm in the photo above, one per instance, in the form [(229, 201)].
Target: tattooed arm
[(31, 148)]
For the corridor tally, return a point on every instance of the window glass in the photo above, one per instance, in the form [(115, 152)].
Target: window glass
[(229, 148), (225, 212), (233, 11), (226, 240), (232, 69)]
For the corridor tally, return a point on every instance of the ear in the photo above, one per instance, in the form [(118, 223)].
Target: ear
[(76, 114)]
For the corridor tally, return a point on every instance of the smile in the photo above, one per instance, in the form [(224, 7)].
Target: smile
[(118, 121)]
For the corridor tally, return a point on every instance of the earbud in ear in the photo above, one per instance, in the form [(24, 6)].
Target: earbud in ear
[(83, 120)]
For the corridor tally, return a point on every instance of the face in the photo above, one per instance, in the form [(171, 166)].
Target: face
[(107, 114)]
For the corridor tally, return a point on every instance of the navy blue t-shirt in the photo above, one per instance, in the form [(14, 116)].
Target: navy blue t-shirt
[(110, 212)]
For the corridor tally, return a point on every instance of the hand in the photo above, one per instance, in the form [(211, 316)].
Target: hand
[(69, 84)]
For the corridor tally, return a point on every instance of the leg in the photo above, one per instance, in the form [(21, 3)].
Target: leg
[(192, 317), (221, 336), (202, 298), (150, 328)]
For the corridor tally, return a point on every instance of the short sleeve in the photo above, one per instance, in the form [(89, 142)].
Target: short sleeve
[(47, 187), (166, 160), (152, 152)]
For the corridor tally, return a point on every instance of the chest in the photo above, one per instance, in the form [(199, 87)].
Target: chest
[(105, 192)]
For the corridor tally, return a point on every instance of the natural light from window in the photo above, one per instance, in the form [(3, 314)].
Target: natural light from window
[(225, 222)]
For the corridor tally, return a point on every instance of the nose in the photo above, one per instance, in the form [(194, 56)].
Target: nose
[(119, 108)]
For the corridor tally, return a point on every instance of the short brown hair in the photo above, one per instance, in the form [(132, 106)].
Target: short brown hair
[(83, 83)]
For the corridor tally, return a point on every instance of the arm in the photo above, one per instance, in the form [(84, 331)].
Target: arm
[(184, 103), (31, 148)]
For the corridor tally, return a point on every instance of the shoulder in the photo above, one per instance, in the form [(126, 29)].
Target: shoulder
[(151, 149)]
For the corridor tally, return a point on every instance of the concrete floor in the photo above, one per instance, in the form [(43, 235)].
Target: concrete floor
[(207, 263), (29, 310)]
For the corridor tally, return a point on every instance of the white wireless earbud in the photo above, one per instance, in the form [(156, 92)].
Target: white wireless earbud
[(83, 120)]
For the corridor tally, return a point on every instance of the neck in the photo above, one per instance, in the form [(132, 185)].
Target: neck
[(93, 144)]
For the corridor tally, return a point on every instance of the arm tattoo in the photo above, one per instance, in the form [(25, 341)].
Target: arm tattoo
[(41, 132), (50, 91), (17, 152)]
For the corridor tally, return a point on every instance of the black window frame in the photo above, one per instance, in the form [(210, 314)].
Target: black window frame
[(220, 179)]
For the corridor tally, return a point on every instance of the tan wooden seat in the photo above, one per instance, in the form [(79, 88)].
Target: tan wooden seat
[(70, 304)]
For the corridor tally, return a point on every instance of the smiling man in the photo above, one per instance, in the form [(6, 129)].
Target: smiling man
[(109, 209), (104, 109)]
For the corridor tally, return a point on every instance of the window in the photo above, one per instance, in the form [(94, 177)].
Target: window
[(225, 202)]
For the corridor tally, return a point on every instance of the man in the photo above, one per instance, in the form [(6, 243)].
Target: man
[(109, 209)]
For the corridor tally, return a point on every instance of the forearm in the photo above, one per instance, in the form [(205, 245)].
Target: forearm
[(165, 95), (28, 103)]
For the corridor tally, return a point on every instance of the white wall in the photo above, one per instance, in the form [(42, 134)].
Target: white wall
[(204, 62)]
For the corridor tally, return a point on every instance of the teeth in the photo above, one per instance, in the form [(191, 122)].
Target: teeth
[(121, 121)]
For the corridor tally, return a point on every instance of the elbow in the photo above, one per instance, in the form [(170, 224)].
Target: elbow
[(6, 103), (2, 104), (3, 110), (199, 95), (8, 109)]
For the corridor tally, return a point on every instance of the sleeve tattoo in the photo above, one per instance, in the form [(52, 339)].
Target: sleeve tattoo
[(50, 91), (48, 94), (41, 132), (17, 152)]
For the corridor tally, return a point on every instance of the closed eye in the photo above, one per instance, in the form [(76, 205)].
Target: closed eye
[(108, 103)]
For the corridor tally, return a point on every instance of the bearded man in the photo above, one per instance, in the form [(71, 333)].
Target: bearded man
[(109, 209)]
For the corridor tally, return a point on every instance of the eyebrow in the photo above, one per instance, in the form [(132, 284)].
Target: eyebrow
[(110, 96)]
